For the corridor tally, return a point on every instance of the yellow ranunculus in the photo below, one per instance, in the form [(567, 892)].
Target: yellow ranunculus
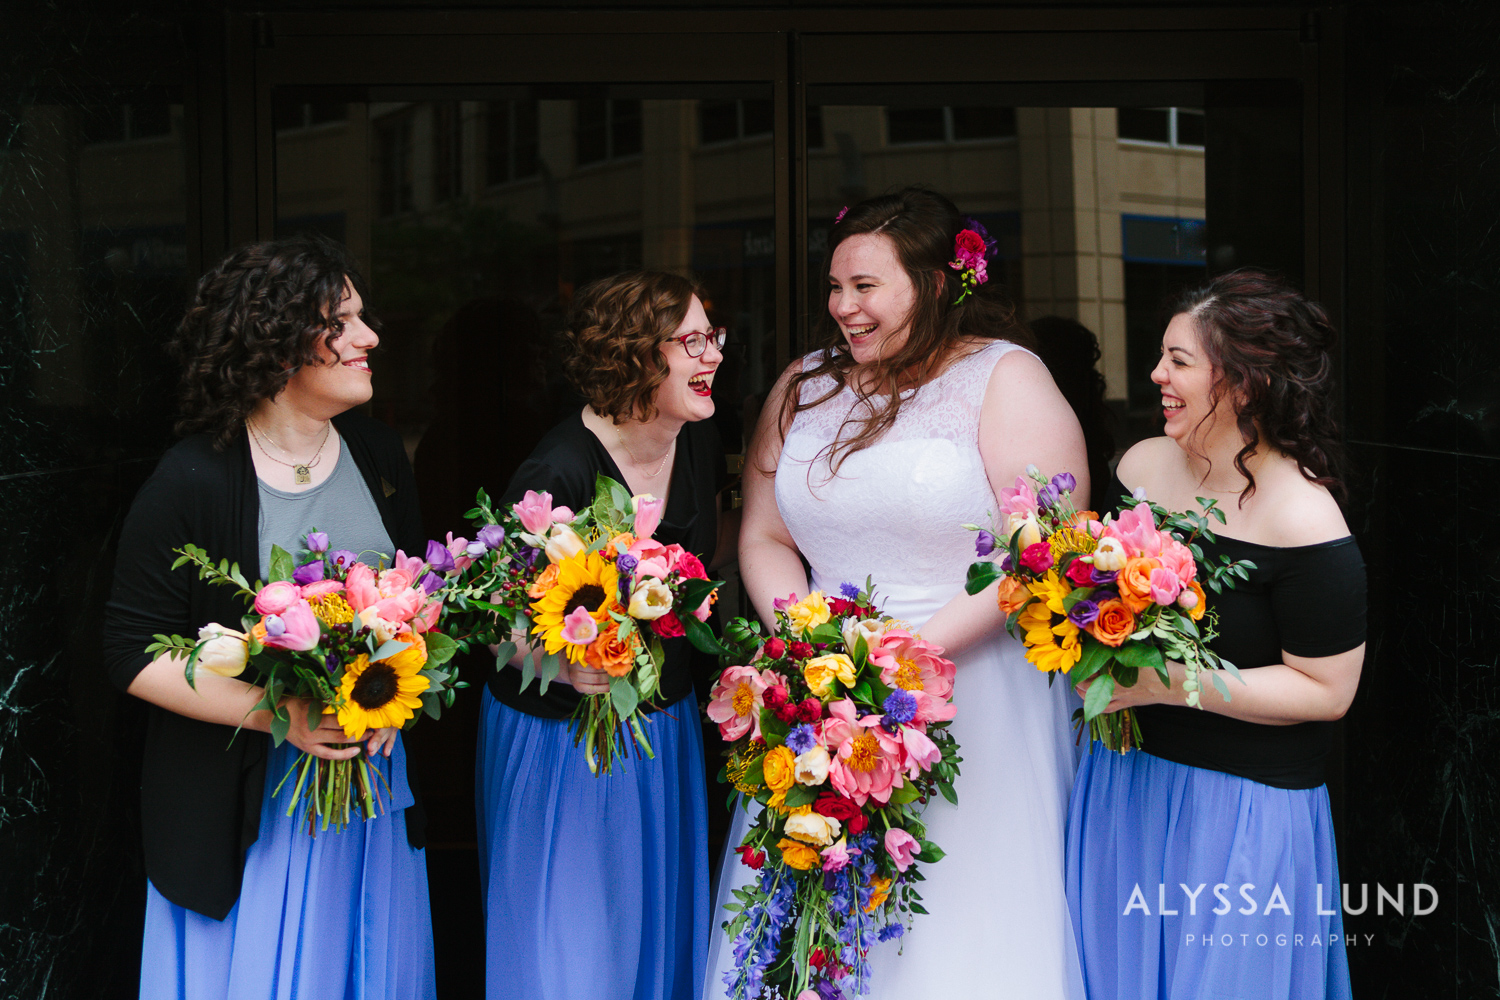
[(780, 766), (821, 671), (798, 856), (810, 612)]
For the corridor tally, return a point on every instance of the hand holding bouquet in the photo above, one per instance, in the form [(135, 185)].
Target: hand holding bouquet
[(592, 587), (1103, 600), (353, 641), (839, 728)]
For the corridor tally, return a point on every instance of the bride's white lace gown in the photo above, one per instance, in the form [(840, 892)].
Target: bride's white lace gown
[(997, 923)]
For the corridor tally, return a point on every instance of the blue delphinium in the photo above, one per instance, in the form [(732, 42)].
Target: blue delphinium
[(756, 945), (849, 590)]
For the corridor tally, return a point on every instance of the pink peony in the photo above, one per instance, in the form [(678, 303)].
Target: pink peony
[(427, 619), (1164, 586), (1136, 530), (867, 764), (913, 664), (901, 846), (359, 587), (1020, 500), (391, 582), (321, 589), (274, 598), (648, 511), (402, 607), (1178, 558), (295, 628), (736, 700)]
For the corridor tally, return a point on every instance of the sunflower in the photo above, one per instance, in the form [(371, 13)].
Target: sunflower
[(380, 695), (586, 580), (1051, 640)]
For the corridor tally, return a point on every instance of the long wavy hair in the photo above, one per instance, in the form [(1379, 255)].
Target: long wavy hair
[(255, 320), (1273, 351), (921, 226)]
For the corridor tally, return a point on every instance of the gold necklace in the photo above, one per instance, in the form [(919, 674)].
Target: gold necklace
[(639, 464), (302, 471)]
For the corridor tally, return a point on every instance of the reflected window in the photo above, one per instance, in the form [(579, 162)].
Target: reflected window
[(124, 122), (948, 124), (511, 138), (447, 151), (728, 121), (394, 153), (606, 130), (289, 113), (815, 126), (1162, 126)]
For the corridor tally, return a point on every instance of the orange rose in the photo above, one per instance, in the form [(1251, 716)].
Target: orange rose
[(1114, 624), (543, 583), (799, 856), (1012, 594), (1196, 611), (1135, 582), (609, 654), (621, 543)]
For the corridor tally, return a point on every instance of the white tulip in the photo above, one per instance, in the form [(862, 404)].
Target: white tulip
[(224, 651)]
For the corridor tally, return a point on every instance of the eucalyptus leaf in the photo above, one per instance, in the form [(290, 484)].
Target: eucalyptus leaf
[(1098, 697), (440, 648), (282, 565), (281, 724), (388, 649), (504, 653), (624, 696), (551, 667)]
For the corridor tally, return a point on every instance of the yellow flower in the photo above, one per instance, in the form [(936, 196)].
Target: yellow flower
[(378, 695), (821, 671), (798, 856), (1051, 590), (740, 762), (880, 890), (1051, 640), (810, 612), (585, 579), (331, 609), (1068, 539), (780, 768)]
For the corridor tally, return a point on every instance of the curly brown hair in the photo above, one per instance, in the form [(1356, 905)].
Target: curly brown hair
[(1273, 351), (615, 332), (922, 225), (254, 321)]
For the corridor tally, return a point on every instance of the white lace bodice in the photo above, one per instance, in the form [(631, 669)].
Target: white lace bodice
[(895, 510)]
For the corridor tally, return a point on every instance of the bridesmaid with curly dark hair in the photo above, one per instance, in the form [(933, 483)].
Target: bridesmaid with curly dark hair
[(244, 901), (1203, 864)]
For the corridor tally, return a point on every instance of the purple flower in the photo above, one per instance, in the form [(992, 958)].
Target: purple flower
[(274, 625), (317, 541), (849, 590), (984, 544), (1007, 564), (475, 549), (1047, 496), (331, 662), (801, 739), (1064, 482), (828, 991), (430, 582), (626, 564), (1102, 578), (439, 558), (1084, 612), (308, 572), (342, 559), (900, 708), (891, 932), (491, 535)]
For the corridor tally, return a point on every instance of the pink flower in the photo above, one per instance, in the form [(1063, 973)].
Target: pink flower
[(932, 709), (579, 627), (359, 587), (400, 608), (321, 589), (781, 604), (836, 856), (412, 566), (1164, 586), (392, 582), (1178, 558), (921, 752), (295, 628), (648, 511), (459, 548), (868, 762), (535, 511), (563, 514), (690, 566), (736, 701), (1136, 530), (913, 664), (274, 598), (1018, 500), (901, 846), (426, 619), (1037, 557)]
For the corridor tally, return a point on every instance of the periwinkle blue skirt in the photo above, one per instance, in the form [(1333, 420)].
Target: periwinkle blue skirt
[(1147, 836), (595, 887), (339, 915)]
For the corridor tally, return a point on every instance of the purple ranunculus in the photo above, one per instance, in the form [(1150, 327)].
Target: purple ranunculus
[(626, 564), (430, 582), (331, 662), (1084, 612), (849, 590), (317, 541), (439, 558), (1007, 564), (308, 572), (1064, 482), (801, 739), (984, 544), (1047, 497), (900, 708), (1102, 578), (342, 559), (274, 625), (491, 535)]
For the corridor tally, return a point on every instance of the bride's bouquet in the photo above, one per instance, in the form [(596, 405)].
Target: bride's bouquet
[(591, 586), (355, 641), (1105, 599), (838, 725)]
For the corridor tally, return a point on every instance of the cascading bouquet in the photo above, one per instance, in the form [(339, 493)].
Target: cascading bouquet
[(838, 728), (354, 640), (593, 587), (1103, 600)]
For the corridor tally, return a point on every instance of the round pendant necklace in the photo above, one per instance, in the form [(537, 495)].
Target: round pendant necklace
[(301, 471)]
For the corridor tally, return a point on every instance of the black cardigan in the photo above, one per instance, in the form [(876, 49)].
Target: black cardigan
[(200, 790)]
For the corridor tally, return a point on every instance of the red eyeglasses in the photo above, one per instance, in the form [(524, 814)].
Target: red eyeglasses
[(697, 342)]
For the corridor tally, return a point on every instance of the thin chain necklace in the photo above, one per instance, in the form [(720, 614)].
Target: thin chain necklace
[(302, 471), (639, 464)]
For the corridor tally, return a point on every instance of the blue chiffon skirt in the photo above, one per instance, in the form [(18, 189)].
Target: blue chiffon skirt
[(342, 914), (595, 887), (1147, 836)]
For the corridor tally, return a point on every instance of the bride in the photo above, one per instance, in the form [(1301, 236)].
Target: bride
[(873, 453)]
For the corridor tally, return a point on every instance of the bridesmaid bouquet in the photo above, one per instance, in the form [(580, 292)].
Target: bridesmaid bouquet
[(838, 726), (1103, 600), (356, 641), (593, 587)]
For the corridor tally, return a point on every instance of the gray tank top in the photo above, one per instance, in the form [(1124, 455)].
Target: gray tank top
[(340, 505)]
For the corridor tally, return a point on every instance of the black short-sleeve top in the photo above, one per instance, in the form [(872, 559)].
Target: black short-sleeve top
[(1306, 600), (566, 464)]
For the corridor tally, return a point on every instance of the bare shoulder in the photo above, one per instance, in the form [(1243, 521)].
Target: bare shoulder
[(1142, 465), (1018, 376), (1296, 512)]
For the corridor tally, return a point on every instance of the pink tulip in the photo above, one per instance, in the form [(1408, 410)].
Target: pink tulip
[(274, 598), (401, 607), (321, 589), (921, 752), (296, 628), (359, 587), (648, 511), (836, 856), (901, 846), (1136, 528), (412, 566), (563, 515), (459, 548), (1018, 500), (579, 627), (535, 512)]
